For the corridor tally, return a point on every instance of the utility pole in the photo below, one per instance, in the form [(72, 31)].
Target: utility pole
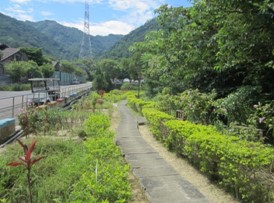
[(85, 49)]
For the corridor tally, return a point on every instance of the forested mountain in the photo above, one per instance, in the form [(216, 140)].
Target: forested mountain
[(16, 33), (70, 38), (120, 49), (56, 40)]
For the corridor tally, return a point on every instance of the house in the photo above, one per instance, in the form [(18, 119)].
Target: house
[(10, 54)]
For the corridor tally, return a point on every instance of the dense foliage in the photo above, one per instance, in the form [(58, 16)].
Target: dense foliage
[(214, 61)]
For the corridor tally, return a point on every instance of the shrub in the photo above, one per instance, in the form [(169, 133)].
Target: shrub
[(156, 119), (263, 119), (54, 176), (107, 177), (243, 168), (196, 106), (115, 96), (237, 106), (96, 124), (138, 104), (129, 86), (15, 87)]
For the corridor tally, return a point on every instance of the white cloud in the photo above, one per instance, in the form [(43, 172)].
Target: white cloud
[(20, 1), (19, 13), (46, 13), (114, 27), (72, 1), (137, 11), (104, 28), (79, 25), (137, 5)]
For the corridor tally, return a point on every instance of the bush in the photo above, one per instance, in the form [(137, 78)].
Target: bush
[(15, 87), (196, 106), (138, 104), (156, 119), (107, 177), (237, 106), (129, 86), (243, 168), (167, 103), (96, 124), (263, 119), (54, 175)]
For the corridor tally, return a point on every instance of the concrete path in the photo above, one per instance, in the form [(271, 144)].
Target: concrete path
[(162, 184)]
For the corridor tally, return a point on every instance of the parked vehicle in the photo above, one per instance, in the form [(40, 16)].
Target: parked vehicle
[(44, 90)]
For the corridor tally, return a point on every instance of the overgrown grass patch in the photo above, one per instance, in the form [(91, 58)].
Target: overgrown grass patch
[(73, 170), (52, 177)]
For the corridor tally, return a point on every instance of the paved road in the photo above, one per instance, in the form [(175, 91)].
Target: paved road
[(161, 183), (12, 102)]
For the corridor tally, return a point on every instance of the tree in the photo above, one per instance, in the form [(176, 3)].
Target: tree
[(34, 54), (47, 70), (19, 70), (68, 67), (88, 65), (33, 70)]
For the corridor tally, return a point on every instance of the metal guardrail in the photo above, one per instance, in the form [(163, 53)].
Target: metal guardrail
[(10, 107)]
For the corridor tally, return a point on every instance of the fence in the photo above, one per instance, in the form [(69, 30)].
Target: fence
[(10, 107)]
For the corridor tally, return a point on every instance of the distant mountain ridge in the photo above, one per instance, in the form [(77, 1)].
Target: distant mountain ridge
[(56, 40), (120, 49), (63, 42)]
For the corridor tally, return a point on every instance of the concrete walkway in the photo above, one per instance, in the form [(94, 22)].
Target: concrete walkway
[(161, 183)]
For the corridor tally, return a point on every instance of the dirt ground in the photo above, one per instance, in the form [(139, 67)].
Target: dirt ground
[(209, 190)]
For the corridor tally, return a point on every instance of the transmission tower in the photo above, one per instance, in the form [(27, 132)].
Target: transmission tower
[(85, 49)]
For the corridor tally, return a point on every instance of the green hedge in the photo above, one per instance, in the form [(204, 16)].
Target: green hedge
[(138, 104), (156, 119), (243, 168)]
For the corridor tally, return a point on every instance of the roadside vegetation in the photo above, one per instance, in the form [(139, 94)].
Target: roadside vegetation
[(237, 162), (81, 162)]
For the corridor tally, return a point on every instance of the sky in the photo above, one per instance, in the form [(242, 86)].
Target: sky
[(105, 16)]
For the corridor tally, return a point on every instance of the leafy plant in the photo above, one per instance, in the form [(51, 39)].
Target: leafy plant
[(28, 161), (263, 119), (196, 106)]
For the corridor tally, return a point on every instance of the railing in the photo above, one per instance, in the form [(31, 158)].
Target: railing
[(10, 107)]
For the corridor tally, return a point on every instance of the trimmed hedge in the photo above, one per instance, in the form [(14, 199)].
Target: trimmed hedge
[(138, 104), (243, 168), (156, 119)]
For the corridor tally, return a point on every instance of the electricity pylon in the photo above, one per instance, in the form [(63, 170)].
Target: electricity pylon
[(85, 49)]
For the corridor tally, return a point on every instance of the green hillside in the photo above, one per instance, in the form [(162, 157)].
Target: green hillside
[(16, 33), (70, 38), (120, 49), (56, 40)]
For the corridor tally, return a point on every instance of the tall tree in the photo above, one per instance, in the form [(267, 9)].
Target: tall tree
[(47, 70), (34, 54)]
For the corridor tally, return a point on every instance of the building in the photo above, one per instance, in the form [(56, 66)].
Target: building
[(10, 54)]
